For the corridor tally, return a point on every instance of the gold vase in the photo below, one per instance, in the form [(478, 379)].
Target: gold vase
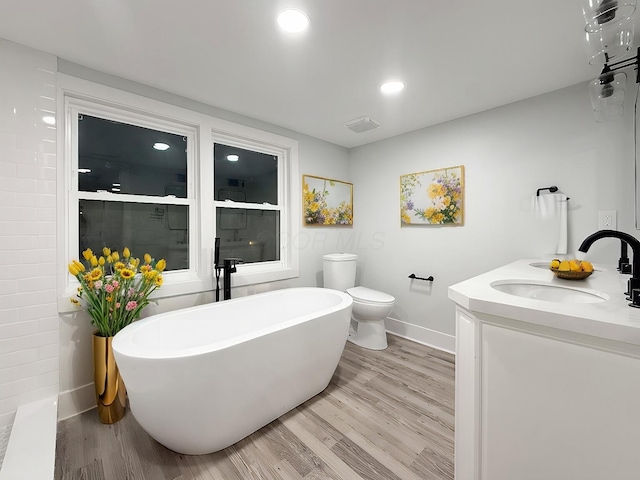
[(111, 395)]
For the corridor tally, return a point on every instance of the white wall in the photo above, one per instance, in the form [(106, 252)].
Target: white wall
[(28, 315), (508, 153)]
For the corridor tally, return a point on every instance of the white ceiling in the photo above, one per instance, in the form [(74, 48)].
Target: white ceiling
[(456, 57)]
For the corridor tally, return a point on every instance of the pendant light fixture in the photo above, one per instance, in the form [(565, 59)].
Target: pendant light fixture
[(609, 33)]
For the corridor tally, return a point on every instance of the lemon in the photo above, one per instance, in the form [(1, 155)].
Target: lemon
[(574, 265), (555, 263), (586, 266), (564, 266)]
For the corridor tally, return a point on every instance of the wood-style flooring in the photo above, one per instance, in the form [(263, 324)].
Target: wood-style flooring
[(385, 415)]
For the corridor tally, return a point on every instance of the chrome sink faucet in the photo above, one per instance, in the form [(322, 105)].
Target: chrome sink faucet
[(633, 287)]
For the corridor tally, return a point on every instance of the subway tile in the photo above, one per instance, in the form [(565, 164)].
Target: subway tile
[(47, 187), (49, 323), (20, 300), (48, 267), (36, 284), (49, 351), (32, 369), (8, 316), (8, 228), (36, 312), (8, 169), (27, 228), (7, 287), (19, 213), (7, 199), (47, 241), (28, 199), (19, 329), (18, 358), (18, 387), (8, 272), (25, 185), (47, 215), (7, 140), (47, 159), (47, 228), (19, 243), (28, 342)]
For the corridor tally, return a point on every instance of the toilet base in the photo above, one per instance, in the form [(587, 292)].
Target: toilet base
[(368, 334)]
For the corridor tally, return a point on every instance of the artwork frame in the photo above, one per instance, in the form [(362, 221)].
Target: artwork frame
[(433, 197), (326, 202)]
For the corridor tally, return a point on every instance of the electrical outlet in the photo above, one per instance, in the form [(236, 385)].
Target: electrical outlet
[(607, 220)]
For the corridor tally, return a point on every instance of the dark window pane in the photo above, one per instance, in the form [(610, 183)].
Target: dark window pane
[(159, 230), (121, 158), (252, 178), (251, 235)]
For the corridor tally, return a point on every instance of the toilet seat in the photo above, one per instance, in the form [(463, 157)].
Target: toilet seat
[(369, 296)]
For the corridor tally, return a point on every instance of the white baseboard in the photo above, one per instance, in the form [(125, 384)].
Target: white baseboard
[(74, 402), (423, 335)]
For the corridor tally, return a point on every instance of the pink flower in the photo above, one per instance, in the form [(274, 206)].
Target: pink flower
[(131, 305), (132, 291), (109, 287), (117, 304), (97, 284), (116, 284)]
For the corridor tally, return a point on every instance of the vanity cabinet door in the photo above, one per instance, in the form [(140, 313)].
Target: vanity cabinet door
[(555, 410)]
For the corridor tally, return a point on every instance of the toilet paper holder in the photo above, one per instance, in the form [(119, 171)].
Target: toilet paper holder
[(428, 279)]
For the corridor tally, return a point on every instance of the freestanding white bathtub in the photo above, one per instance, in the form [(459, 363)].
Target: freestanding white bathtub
[(202, 378)]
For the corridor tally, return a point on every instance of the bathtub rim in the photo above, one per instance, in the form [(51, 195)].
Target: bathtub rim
[(123, 345)]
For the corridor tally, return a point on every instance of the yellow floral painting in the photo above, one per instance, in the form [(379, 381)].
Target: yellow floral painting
[(326, 201), (434, 197)]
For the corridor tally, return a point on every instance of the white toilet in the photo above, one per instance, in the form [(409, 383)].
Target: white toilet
[(370, 307)]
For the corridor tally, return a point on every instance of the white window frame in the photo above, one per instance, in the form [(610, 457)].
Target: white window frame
[(76, 95)]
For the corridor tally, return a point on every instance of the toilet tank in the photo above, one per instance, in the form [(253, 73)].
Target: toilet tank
[(339, 270)]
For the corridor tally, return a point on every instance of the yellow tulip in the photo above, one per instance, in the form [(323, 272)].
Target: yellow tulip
[(73, 269), (106, 251), (115, 256), (101, 261), (87, 254), (79, 266), (126, 253), (94, 261), (161, 265), (109, 259), (147, 258)]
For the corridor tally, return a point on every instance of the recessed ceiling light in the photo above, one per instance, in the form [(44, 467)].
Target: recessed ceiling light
[(49, 120), (233, 158), (293, 21), (84, 170), (392, 86), (160, 146)]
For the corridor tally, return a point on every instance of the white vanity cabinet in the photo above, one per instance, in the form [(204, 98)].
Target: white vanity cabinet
[(535, 402), (533, 407)]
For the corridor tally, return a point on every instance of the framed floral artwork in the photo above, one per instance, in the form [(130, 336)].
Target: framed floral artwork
[(326, 201), (434, 197)]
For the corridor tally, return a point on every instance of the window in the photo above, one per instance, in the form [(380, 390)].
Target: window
[(132, 188), (115, 189)]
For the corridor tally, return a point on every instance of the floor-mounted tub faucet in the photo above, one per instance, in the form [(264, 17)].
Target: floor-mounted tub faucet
[(228, 269), (634, 281)]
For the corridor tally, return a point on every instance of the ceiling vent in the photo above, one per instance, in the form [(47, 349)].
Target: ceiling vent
[(362, 124)]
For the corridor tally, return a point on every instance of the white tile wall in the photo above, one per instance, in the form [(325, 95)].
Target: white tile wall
[(29, 322)]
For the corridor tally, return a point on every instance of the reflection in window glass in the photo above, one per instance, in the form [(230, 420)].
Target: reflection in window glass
[(160, 230), (120, 158), (250, 235), (252, 177)]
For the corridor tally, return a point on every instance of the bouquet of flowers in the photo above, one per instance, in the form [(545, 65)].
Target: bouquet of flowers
[(115, 288)]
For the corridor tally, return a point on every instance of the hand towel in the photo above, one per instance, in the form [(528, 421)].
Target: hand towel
[(551, 218)]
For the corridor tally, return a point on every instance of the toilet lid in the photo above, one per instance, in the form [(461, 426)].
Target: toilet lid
[(340, 257), (367, 295)]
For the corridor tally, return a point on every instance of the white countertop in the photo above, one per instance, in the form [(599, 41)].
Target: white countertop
[(611, 319)]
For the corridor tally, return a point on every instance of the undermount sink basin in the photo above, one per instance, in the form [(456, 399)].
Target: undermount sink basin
[(549, 292)]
